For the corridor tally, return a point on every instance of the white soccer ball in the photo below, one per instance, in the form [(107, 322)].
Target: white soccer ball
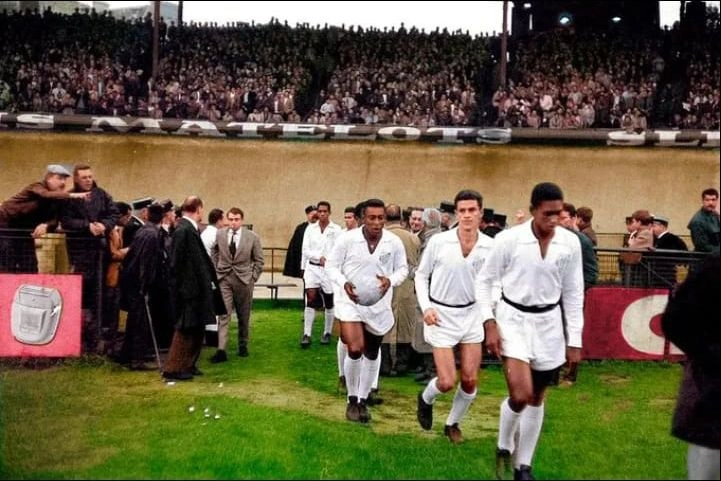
[(367, 288)]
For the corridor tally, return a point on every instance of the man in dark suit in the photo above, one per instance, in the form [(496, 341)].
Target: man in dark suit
[(238, 258), (137, 220), (139, 275), (664, 264), (195, 289), (87, 226), (294, 256)]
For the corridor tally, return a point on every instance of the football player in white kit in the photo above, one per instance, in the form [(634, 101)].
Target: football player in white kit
[(365, 264), (318, 241), (540, 271), (445, 287)]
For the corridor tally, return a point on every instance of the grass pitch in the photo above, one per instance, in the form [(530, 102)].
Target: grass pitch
[(277, 415)]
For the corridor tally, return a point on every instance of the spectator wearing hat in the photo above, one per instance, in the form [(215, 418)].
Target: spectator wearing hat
[(448, 214), (486, 219), (140, 275), (664, 264), (161, 300), (294, 262), (33, 212), (140, 217)]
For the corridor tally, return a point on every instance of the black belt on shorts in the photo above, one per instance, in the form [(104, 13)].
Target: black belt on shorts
[(450, 305), (531, 309), (314, 263)]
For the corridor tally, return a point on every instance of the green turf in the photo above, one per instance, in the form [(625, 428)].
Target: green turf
[(281, 417)]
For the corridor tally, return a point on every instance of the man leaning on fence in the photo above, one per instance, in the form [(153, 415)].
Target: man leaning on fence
[(87, 225), (30, 214)]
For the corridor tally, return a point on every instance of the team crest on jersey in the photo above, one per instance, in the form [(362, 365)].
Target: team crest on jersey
[(477, 264)]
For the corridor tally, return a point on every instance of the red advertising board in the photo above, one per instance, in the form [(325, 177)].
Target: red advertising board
[(40, 315), (625, 323)]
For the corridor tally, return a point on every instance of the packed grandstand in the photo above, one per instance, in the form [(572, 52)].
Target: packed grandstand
[(93, 63)]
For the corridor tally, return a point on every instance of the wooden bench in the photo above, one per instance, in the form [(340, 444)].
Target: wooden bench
[(273, 287)]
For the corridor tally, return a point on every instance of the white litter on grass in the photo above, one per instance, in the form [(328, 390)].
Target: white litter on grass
[(207, 415), (191, 409), (220, 385), (217, 416), (170, 383), (206, 410)]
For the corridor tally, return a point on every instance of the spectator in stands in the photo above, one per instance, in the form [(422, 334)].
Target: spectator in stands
[(30, 214)]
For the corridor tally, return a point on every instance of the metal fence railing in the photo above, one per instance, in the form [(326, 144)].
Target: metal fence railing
[(662, 269)]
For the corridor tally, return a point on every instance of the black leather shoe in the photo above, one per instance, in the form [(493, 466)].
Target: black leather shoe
[(305, 342), (325, 339), (504, 463), (374, 399), (424, 413), (523, 473), (243, 351), (351, 410), (364, 415), (178, 376), (219, 356), (453, 432)]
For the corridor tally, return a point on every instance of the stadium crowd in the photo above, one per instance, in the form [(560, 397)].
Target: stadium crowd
[(93, 63)]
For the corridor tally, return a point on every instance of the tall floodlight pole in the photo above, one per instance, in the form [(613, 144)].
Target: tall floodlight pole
[(180, 13), (504, 44), (156, 43)]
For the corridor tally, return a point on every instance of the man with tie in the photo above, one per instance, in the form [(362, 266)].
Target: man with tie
[(238, 258)]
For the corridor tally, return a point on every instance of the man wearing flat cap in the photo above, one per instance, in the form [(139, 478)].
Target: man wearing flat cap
[(663, 263), (33, 212)]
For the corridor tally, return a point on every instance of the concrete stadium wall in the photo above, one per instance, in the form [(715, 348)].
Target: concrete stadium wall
[(272, 181)]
